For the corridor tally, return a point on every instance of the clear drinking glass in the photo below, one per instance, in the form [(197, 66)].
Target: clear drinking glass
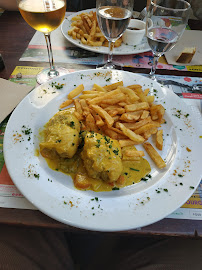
[(169, 21), (113, 19), (44, 16)]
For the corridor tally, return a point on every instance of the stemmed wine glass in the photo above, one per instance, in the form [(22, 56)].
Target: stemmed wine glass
[(113, 19), (44, 16), (169, 21)]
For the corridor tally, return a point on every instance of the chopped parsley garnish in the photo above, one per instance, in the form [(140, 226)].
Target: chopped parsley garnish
[(165, 189), (115, 188), (179, 113), (36, 176), (107, 139), (132, 169), (26, 131), (116, 152), (144, 179), (97, 145), (180, 175), (72, 124), (191, 187), (57, 86), (58, 141)]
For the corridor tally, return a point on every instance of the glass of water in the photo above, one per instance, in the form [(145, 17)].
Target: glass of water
[(113, 19), (169, 18)]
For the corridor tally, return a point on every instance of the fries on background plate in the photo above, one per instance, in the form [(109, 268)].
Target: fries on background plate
[(85, 28)]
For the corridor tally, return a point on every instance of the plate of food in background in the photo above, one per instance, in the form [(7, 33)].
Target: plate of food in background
[(80, 30), (104, 150)]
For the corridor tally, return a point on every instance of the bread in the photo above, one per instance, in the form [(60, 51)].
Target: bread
[(186, 55)]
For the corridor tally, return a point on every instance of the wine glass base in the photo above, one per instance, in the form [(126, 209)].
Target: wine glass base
[(45, 75), (110, 65), (152, 77)]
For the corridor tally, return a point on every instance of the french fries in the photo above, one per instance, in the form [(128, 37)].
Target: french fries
[(85, 28), (66, 103), (159, 139), (124, 113), (131, 134), (109, 120), (76, 91), (154, 155)]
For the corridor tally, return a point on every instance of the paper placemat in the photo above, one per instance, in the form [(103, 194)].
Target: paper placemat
[(65, 52), (11, 197)]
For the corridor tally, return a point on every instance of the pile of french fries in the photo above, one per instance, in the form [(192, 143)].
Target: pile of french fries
[(85, 28), (127, 114)]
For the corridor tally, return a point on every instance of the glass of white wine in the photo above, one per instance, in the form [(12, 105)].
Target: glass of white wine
[(44, 16), (169, 20), (113, 19)]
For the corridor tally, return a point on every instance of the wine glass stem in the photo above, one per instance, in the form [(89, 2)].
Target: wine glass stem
[(154, 65), (110, 54), (52, 72)]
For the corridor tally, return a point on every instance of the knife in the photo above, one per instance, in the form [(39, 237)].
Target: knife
[(196, 88)]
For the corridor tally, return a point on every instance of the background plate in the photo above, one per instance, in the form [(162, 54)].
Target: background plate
[(138, 205), (122, 50)]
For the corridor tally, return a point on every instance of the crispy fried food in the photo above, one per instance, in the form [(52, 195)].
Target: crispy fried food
[(124, 113), (85, 28), (131, 134), (76, 91), (159, 139), (154, 155)]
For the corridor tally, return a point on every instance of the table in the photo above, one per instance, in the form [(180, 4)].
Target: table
[(15, 36)]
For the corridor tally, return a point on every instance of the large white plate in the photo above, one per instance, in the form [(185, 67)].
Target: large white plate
[(131, 207), (122, 50)]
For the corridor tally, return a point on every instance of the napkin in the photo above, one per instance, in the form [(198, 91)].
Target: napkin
[(10, 95), (190, 38)]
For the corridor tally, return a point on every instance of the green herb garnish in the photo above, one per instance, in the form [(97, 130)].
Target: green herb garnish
[(115, 188), (134, 169)]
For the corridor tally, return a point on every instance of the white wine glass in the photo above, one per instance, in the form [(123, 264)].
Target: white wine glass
[(45, 16), (113, 19), (169, 20)]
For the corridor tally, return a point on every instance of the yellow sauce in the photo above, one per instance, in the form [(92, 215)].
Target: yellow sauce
[(133, 171)]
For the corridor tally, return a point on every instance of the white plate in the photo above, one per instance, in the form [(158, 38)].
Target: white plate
[(122, 50), (131, 207)]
